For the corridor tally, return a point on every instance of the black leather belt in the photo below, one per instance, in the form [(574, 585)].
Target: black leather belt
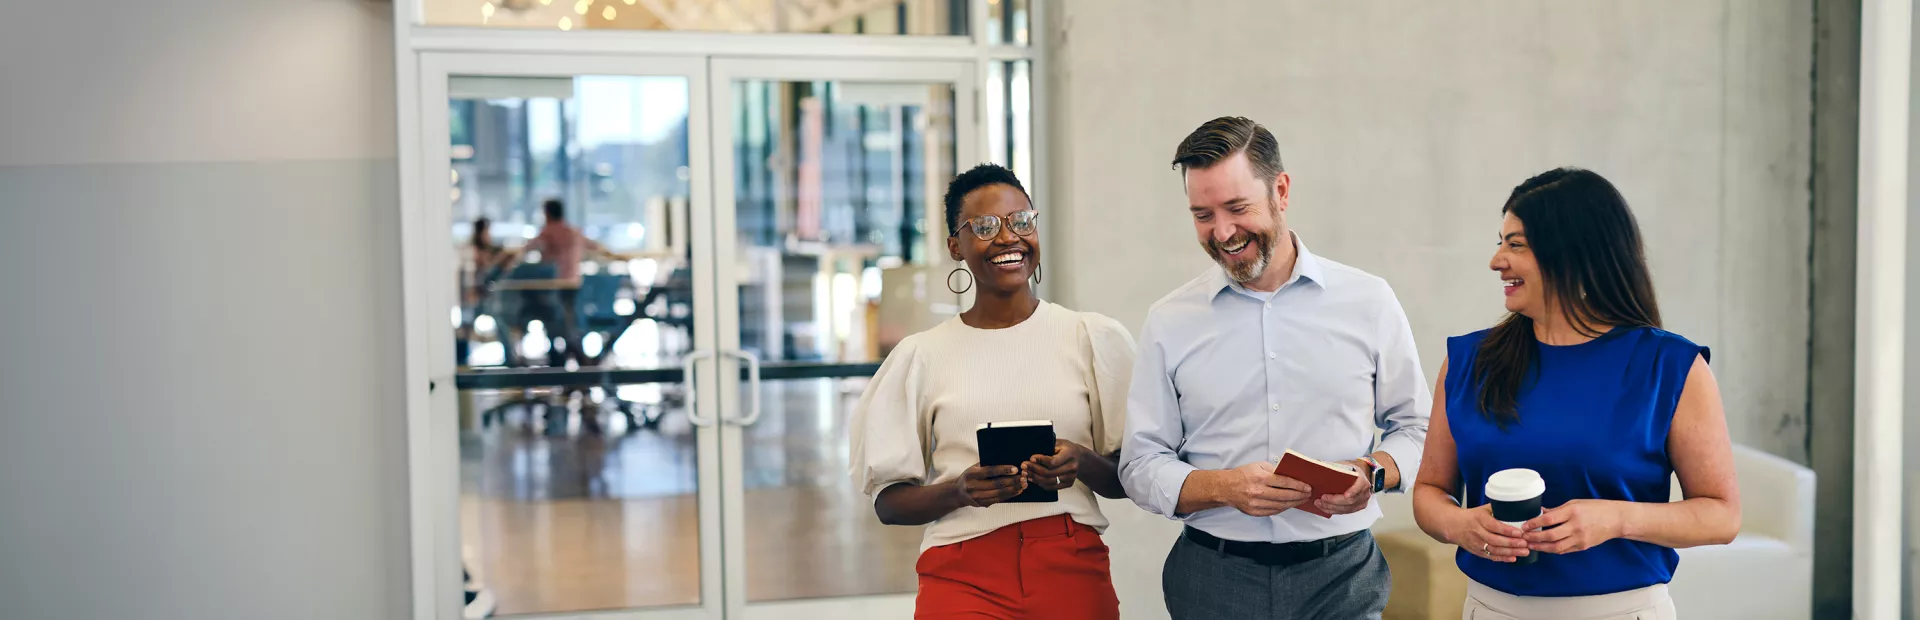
[(1271, 554)]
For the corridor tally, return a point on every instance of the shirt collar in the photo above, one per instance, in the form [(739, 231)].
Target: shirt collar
[(1305, 267)]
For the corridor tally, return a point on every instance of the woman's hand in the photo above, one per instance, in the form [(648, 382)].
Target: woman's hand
[(1577, 525), (981, 487), (1480, 534), (1055, 471)]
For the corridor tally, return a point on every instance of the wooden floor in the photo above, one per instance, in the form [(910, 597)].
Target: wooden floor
[(583, 520)]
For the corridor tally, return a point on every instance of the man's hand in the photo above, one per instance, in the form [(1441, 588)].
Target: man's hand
[(1255, 490), (1356, 497)]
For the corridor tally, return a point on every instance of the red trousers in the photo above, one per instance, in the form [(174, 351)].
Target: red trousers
[(1051, 568)]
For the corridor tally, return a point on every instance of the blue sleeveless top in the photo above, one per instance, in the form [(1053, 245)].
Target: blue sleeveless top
[(1593, 421)]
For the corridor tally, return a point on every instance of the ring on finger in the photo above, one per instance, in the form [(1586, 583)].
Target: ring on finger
[(1486, 549)]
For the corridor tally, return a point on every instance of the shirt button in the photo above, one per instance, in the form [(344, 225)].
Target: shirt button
[(1275, 406), (1270, 355)]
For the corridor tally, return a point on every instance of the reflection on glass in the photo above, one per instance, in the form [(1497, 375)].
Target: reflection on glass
[(855, 17), (1007, 22), (835, 183), (575, 499)]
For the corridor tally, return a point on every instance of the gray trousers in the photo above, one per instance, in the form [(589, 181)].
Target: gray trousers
[(1204, 584)]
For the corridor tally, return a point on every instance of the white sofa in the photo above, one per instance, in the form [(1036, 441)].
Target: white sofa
[(1766, 573), (1768, 570)]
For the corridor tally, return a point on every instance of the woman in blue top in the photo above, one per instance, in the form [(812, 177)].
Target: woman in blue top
[(1579, 384)]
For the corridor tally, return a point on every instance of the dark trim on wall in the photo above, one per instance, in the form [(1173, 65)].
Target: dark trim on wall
[(1835, 193)]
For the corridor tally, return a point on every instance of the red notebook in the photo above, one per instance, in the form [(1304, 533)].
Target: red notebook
[(1325, 478)]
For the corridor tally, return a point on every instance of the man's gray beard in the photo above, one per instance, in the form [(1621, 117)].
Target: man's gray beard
[(1251, 270)]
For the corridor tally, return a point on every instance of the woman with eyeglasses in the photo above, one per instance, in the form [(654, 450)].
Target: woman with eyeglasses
[(1580, 385), (1011, 356)]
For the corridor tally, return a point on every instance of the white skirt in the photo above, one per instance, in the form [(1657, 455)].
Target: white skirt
[(1648, 603)]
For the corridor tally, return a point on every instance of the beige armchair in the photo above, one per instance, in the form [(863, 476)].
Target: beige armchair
[(1426, 584)]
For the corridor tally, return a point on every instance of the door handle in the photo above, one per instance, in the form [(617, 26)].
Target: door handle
[(753, 388), (686, 366)]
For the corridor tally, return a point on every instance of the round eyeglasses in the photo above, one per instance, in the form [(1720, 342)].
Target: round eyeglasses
[(986, 227)]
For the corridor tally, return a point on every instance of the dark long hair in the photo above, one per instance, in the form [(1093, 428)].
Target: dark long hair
[(1587, 244), (479, 226)]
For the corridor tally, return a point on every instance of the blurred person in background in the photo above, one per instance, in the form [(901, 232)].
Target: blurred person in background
[(562, 246), (480, 264)]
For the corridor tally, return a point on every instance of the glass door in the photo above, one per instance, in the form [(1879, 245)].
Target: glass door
[(688, 270), (578, 269), (828, 178)]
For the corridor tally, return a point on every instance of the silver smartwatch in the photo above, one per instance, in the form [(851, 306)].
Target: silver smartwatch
[(1379, 474)]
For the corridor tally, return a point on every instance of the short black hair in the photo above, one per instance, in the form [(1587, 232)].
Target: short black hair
[(980, 176), (555, 209)]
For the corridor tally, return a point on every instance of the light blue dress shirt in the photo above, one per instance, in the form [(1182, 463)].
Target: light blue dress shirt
[(1227, 376)]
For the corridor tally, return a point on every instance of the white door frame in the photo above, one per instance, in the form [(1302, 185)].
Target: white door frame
[(432, 457), (725, 71), (435, 162)]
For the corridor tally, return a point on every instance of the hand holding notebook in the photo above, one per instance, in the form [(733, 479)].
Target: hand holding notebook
[(1016, 443), (1324, 477), (981, 486)]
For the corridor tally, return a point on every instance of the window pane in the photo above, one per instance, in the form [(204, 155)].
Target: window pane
[(834, 182), (868, 17), (1007, 22), (574, 498), (1008, 109)]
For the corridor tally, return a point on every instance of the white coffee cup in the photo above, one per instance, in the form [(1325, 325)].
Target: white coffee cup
[(1515, 495)]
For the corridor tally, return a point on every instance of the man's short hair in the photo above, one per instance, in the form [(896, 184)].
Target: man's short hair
[(556, 210), (1221, 138)]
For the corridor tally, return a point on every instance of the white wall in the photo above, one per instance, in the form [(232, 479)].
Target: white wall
[(202, 321), (1405, 124)]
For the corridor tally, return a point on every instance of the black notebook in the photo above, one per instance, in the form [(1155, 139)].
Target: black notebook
[(1013, 443)]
